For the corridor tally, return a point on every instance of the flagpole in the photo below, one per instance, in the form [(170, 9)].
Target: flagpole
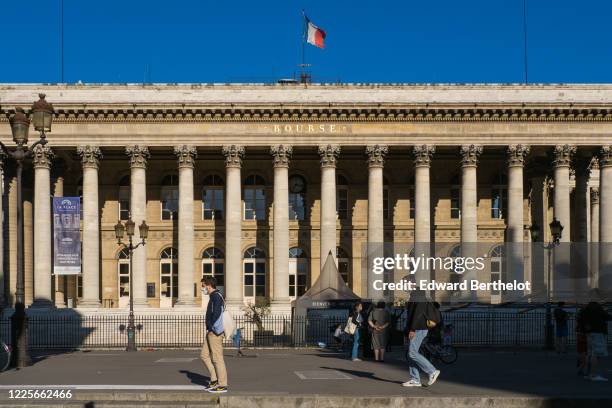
[(304, 31), (525, 39), (62, 42)]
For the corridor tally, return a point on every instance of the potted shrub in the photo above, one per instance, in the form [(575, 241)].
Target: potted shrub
[(255, 313)]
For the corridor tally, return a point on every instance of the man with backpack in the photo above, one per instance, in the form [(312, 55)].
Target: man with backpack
[(422, 316), (212, 349)]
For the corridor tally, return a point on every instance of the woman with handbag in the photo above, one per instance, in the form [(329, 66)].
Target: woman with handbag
[(353, 327)]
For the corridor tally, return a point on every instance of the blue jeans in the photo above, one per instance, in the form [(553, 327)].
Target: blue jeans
[(355, 353), (417, 360)]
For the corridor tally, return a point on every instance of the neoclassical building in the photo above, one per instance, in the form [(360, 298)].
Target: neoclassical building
[(257, 183)]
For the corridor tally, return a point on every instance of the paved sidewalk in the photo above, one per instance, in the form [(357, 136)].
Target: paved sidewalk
[(476, 374)]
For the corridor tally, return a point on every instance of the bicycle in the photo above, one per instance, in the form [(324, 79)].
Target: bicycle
[(5, 356)]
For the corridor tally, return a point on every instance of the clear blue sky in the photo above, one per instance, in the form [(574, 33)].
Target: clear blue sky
[(259, 41)]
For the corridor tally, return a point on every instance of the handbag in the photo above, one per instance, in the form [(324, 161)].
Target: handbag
[(350, 327), (225, 324)]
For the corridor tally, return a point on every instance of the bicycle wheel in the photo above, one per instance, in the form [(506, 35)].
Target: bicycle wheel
[(5, 356), (448, 354)]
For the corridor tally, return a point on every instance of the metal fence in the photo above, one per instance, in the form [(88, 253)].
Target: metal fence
[(470, 328)]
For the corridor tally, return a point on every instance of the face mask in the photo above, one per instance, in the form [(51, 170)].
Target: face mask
[(205, 291)]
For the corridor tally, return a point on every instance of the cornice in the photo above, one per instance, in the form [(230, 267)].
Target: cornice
[(324, 113)]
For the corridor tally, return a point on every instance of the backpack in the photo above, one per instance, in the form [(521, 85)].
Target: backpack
[(225, 323), (433, 316)]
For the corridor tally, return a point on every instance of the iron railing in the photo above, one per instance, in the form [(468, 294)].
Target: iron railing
[(493, 328)]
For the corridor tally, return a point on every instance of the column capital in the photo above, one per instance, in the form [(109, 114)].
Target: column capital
[(422, 155), (329, 155), (605, 156), (376, 155), (42, 156), (233, 155), (281, 155), (562, 155), (138, 154), (594, 195), (517, 154), (470, 154), (186, 155), (90, 155)]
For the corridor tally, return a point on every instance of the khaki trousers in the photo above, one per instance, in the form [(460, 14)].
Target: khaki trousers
[(212, 357)]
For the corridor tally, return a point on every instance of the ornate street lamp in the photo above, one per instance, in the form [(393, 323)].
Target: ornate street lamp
[(120, 230), (556, 230), (42, 114)]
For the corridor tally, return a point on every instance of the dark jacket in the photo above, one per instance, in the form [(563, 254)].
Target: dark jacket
[(595, 319), (214, 309), (416, 310)]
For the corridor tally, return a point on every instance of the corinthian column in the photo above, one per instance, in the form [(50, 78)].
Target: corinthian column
[(469, 205), (422, 212), (514, 232), (562, 277), (2, 236), (605, 219), (594, 241), (281, 155), (186, 159), (376, 224), (233, 225), (329, 155), (41, 158), (90, 156), (562, 160), (138, 155), (469, 198)]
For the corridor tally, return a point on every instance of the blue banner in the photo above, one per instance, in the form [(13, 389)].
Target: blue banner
[(66, 235)]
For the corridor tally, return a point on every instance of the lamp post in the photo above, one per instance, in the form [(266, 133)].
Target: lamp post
[(120, 230), (556, 229), (42, 117)]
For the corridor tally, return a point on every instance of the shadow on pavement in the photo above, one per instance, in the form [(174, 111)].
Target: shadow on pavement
[(195, 378), (362, 374)]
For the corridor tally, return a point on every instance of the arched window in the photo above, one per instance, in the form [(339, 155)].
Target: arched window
[(254, 270), (455, 197), (124, 198), (497, 259), (344, 265), (455, 253), (79, 193), (499, 197), (386, 209), (169, 197), (213, 264), (168, 271), (297, 198), (298, 272), (254, 198), (123, 269), (212, 198), (342, 197)]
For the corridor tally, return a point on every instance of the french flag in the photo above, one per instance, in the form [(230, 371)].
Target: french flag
[(314, 34)]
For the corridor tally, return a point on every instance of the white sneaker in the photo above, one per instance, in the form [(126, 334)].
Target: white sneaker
[(412, 383), (356, 359), (433, 377), (598, 378)]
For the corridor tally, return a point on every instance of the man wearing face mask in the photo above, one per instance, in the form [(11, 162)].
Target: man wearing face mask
[(212, 349)]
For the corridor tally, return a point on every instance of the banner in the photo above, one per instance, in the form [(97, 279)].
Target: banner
[(66, 235)]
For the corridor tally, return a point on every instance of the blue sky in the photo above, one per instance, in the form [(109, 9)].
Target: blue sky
[(259, 41)]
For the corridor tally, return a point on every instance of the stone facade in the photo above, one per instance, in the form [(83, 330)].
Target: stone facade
[(211, 166)]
